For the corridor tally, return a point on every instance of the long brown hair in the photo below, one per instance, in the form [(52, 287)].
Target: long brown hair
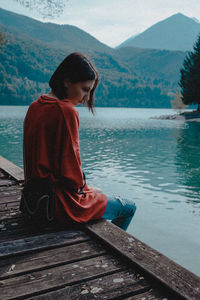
[(77, 68)]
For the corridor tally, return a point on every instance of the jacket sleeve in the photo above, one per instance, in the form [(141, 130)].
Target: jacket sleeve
[(71, 171)]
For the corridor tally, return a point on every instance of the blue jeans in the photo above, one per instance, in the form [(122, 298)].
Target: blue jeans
[(119, 211)]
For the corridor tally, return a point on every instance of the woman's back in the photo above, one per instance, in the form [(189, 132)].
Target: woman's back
[(51, 150)]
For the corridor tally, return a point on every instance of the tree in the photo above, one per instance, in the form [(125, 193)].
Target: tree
[(177, 103), (190, 76)]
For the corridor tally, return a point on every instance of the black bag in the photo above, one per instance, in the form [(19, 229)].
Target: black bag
[(38, 203)]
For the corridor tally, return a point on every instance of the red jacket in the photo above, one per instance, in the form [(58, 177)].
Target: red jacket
[(51, 150)]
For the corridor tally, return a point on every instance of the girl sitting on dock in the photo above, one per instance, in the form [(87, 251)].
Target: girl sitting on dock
[(55, 187)]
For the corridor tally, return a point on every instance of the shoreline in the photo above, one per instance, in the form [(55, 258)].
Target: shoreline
[(192, 116)]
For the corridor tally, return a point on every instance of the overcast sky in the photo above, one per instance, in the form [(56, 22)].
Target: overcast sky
[(113, 21)]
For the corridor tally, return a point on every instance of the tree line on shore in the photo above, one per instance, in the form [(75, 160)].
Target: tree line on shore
[(190, 77)]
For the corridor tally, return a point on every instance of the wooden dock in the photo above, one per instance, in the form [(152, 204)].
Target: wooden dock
[(98, 261)]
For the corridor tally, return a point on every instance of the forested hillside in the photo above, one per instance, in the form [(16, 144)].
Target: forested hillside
[(130, 77), (160, 67)]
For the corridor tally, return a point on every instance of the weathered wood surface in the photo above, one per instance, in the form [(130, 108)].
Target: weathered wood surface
[(34, 261), (58, 277), (148, 260), (115, 286), (10, 194), (7, 182), (10, 168), (99, 262), (9, 202), (45, 241)]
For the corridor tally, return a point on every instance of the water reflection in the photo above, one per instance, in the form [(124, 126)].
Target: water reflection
[(11, 124), (132, 153), (188, 160), (129, 149), (11, 140)]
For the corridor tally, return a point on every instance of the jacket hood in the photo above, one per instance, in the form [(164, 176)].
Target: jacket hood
[(45, 99)]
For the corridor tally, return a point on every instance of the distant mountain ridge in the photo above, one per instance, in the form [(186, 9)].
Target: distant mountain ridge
[(57, 35), (177, 32)]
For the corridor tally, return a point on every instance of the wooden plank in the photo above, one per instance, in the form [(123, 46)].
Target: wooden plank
[(20, 233), (10, 191), (11, 199), (115, 286), (14, 193), (6, 235), (22, 264), (9, 205), (7, 214), (12, 223), (8, 202), (10, 188), (44, 241), (11, 233), (149, 261), (150, 295), (10, 168), (7, 182), (47, 280), (14, 226), (11, 214)]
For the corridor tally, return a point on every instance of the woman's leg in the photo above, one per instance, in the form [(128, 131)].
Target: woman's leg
[(119, 211)]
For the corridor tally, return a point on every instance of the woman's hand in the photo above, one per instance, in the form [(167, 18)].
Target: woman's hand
[(95, 189)]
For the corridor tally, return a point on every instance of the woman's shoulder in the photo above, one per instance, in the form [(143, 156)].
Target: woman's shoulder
[(65, 103), (68, 109)]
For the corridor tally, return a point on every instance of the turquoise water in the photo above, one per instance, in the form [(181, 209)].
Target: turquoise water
[(154, 162)]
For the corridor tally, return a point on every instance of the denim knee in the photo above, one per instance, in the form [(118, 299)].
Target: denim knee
[(128, 208), (131, 208)]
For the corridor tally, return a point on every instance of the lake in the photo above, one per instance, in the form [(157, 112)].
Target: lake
[(156, 163)]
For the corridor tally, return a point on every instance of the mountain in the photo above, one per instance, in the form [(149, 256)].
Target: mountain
[(130, 77), (177, 32), (54, 34)]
